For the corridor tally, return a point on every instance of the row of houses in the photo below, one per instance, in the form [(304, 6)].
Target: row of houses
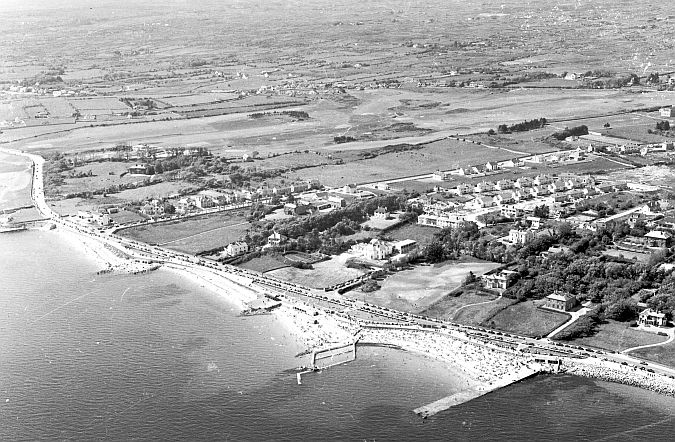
[(542, 184), (477, 170)]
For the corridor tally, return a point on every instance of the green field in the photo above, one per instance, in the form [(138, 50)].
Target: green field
[(444, 154), (448, 307), (525, 318), (618, 336), (476, 315), (663, 354), (422, 234), (264, 263), (192, 235), (416, 289), (324, 274)]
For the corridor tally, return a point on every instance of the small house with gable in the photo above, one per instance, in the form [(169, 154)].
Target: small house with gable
[(560, 301)]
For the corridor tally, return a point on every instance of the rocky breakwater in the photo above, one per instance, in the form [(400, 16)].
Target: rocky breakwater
[(623, 374)]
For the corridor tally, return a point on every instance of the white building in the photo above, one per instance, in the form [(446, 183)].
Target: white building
[(441, 220), (374, 250), (521, 236), (236, 248)]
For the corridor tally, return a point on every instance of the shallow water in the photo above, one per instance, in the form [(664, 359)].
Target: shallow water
[(153, 357)]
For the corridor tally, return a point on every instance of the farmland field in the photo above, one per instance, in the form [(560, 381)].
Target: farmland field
[(191, 100), (444, 154)]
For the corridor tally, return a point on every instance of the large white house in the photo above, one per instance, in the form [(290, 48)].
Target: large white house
[(374, 250), (235, 248)]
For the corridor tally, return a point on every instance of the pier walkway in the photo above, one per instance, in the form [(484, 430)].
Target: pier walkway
[(472, 393)]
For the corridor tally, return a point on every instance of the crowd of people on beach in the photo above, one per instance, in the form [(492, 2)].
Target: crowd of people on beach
[(481, 363)]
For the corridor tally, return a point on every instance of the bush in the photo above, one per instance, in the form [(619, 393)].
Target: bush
[(370, 286)]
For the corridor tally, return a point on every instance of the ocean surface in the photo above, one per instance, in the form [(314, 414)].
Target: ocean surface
[(153, 357)]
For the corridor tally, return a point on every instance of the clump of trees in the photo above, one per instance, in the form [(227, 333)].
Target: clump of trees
[(343, 139), (663, 125), (526, 125), (571, 132)]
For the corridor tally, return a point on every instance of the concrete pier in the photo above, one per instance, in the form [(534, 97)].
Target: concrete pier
[(334, 355), (470, 394)]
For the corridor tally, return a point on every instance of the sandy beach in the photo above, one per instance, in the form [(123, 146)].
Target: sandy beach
[(104, 256), (479, 364)]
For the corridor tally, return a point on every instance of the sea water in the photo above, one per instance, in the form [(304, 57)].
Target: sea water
[(155, 357)]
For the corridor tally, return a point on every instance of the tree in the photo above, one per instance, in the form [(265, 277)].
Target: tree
[(169, 208), (622, 310), (434, 252), (470, 278), (541, 211), (663, 125)]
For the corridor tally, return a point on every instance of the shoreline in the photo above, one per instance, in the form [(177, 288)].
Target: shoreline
[(318, 328), (470, 364)]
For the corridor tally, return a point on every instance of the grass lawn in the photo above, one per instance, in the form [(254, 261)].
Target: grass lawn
[(263, 263), (422, 234), (618, 336), (476, 315), (324, 274), (447, 307), (663, 355), (415, 290), (525, 318)]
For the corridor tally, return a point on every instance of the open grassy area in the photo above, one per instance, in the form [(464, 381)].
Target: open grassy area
[(415, 290), (478, 314), (663, 354), (444, 154), (193, 234), (618, 336), (323, 274), (654, 175), (449, 305), (422, 234), (525, 318), (264, 263)]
